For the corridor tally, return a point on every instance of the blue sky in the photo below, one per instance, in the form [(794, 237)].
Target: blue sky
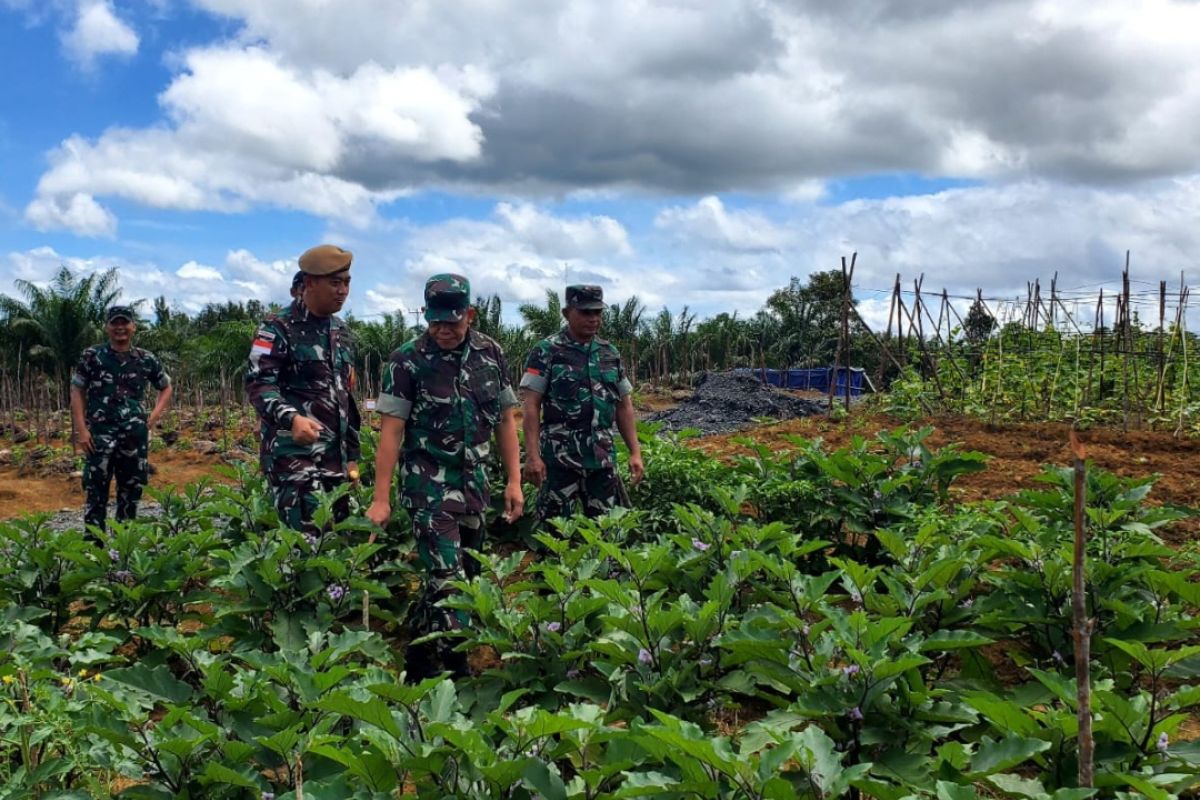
[(693, 154)]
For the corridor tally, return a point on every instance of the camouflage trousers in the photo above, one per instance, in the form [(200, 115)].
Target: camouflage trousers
[(296, 500), (596, 490), (120, 454), (441, 537)]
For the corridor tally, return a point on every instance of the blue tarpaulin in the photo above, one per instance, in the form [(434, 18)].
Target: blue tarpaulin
[(816, 379)]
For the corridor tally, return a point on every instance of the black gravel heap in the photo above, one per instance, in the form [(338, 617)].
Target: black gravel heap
[(725, 402)]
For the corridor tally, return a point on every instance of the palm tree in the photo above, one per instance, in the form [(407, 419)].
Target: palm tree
[(58, 322), (543, 322), (374, 343)]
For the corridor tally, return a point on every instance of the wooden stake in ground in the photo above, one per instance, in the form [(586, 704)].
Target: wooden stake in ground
[(1083, 626)]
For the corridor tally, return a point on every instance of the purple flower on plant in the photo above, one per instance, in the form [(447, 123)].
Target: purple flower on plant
[(970, 601), (1164, 742), (554, 627), (312, 540), (1057, 656), (122, 576), (335, 591), (268, 796), (706, 662), (114, 555), (855, 714), (700, 545), (644, 656), (573, 673), (851, 670), (734, 553)]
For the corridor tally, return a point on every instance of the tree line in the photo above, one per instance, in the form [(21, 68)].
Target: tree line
[(45, 328)]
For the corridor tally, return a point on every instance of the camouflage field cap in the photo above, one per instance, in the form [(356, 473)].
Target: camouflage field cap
[(119, 312), (447, 297), (297, 280), (585, 298), (325, 259)]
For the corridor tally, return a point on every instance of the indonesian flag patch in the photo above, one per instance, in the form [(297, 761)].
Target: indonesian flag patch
[(264, 343)]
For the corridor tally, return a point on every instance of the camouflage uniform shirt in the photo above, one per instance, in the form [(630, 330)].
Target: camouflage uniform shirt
[(304, 364), (115, 383), (581, 386), (451, 401)]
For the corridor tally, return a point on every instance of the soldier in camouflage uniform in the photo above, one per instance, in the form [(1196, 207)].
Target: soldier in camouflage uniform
[(301, 383), (110, 424), (574, 387), (443, 397)]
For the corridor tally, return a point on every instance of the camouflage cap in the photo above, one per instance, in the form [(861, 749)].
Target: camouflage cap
[(119, 312), (447, 298), (325, 259), (297, 280), (585, 298)]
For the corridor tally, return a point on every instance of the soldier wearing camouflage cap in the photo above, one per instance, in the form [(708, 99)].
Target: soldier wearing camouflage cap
[(444, 396), (111, 426), (300, 380), (574, 388)]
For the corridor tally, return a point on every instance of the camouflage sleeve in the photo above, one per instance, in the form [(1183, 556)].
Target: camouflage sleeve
[(624, 387), (537, 369), (353, 422), (508, 397), (83, 370), (397, 389), (158, 376), (268, 353)]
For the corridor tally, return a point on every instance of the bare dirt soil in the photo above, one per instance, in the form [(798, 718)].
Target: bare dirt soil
[(1017, 452), (24, 493)]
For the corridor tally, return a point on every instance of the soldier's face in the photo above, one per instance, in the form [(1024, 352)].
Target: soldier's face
[(583, 325), (120, 330), (326, 294), (449, 335)]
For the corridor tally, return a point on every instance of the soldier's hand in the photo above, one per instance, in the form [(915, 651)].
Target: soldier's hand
[(637, 470), (379, 513), (514, 502), (84, 439), (535, 469), (305, 430)]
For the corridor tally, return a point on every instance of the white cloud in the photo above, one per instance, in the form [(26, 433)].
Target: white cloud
[(194, 271), (97, 31), (738, 231), (248, 129), (76, 212)]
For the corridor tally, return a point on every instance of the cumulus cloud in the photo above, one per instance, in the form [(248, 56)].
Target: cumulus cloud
[(97, 31), (710, 221), (75, 211), (541, 98), (247, 129)]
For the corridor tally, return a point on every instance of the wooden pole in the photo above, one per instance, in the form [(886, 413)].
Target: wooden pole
[(1083, 626)]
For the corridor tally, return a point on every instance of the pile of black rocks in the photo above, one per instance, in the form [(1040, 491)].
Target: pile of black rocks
[(727, 401)]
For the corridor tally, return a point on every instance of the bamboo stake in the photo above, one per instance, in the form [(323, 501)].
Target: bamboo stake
[(1083, 626)]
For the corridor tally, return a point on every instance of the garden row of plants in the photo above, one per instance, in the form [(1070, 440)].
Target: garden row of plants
[(1019, 374), (801, 624)]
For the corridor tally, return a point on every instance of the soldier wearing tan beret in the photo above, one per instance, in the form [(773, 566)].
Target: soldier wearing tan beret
[(301, 382)]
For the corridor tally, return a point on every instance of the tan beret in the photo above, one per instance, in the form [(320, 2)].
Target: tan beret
[(325, 259)]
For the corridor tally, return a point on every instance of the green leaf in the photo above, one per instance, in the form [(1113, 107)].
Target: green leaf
[(155, 681), (944, 640), (954, 791), (544, 782), (377, 714), (221, 774), (993, 757)]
